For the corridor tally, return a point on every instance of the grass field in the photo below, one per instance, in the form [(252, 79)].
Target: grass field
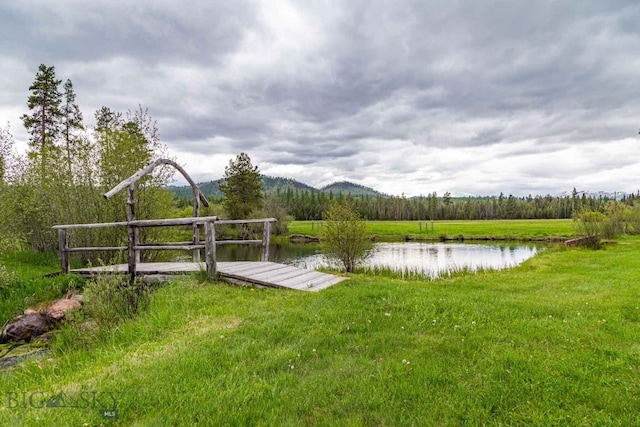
[(552, 342), (499, 229)]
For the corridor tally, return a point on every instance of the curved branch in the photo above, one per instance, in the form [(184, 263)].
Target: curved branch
[(147, 170)]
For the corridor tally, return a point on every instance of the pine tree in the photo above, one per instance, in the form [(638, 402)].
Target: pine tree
[(45, 120), (71, 120), (242, 187)]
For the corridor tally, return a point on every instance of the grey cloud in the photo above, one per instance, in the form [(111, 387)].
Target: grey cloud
[(149, 32)]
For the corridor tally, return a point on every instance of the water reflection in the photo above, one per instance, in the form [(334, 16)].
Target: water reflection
[(429, 259)]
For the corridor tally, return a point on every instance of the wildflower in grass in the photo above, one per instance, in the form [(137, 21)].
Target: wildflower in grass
[(405, 362), (388, 314)]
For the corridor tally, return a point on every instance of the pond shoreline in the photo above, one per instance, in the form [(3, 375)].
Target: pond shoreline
[(462, 238), (303, 239)]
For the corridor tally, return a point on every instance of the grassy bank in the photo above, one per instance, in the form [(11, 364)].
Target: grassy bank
[(22, 282), (552, 342), (498, 229)]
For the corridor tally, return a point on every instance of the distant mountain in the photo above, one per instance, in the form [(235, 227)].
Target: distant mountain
[(274, 184), (210, 188), (346, 187)]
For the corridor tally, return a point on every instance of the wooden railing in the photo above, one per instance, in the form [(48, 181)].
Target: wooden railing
[(134, 247)]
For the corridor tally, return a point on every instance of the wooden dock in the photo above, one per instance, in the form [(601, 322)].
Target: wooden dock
[(269, 274)]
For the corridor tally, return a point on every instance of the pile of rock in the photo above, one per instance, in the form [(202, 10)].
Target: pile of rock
[(37, 322)]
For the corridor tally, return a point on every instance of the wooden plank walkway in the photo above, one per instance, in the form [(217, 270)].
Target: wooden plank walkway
[(269, 274)]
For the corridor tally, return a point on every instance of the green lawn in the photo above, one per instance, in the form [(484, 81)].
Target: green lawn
[(555, 341), (498, 229)]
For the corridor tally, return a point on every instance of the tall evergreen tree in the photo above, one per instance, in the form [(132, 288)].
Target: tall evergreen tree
[(44, 122), (242, 187), (107, 119), (71, 119)]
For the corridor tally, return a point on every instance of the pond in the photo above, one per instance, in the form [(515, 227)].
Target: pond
[(412, 258)]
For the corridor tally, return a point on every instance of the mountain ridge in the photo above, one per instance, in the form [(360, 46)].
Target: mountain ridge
[(273, 185)]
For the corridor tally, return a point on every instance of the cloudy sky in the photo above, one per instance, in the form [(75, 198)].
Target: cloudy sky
[(471, 97)]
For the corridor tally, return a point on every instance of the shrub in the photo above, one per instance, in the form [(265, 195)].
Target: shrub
[(344, 236), (617, 218), (633, 219), (590, 225), (111, 298)]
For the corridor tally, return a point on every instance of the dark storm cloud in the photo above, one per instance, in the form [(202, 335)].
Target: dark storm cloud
[(470, 97)]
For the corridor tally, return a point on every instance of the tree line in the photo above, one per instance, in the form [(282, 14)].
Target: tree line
[(312, 205)]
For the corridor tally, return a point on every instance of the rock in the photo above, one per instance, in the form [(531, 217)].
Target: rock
[(297, 238), (58, 309), (26, 328)]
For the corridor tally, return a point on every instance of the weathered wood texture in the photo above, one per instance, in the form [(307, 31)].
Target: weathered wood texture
[(147, 170), (210, 249), (133, 238), (266, 239), (133, 258), (63, 248), (268, 274), (142, 223), (133, 231), (245, 221)]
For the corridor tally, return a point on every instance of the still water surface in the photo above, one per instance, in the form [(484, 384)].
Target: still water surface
[(429, 259)]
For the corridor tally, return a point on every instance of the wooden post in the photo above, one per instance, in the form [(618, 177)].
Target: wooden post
[(63, 245), (210, 248), (196, 230), (266, 239), (132, 233)]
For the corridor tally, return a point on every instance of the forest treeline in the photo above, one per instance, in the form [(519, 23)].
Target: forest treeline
[(312, 205)]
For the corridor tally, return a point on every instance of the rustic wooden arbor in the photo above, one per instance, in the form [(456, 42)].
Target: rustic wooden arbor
[(133, 235)]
